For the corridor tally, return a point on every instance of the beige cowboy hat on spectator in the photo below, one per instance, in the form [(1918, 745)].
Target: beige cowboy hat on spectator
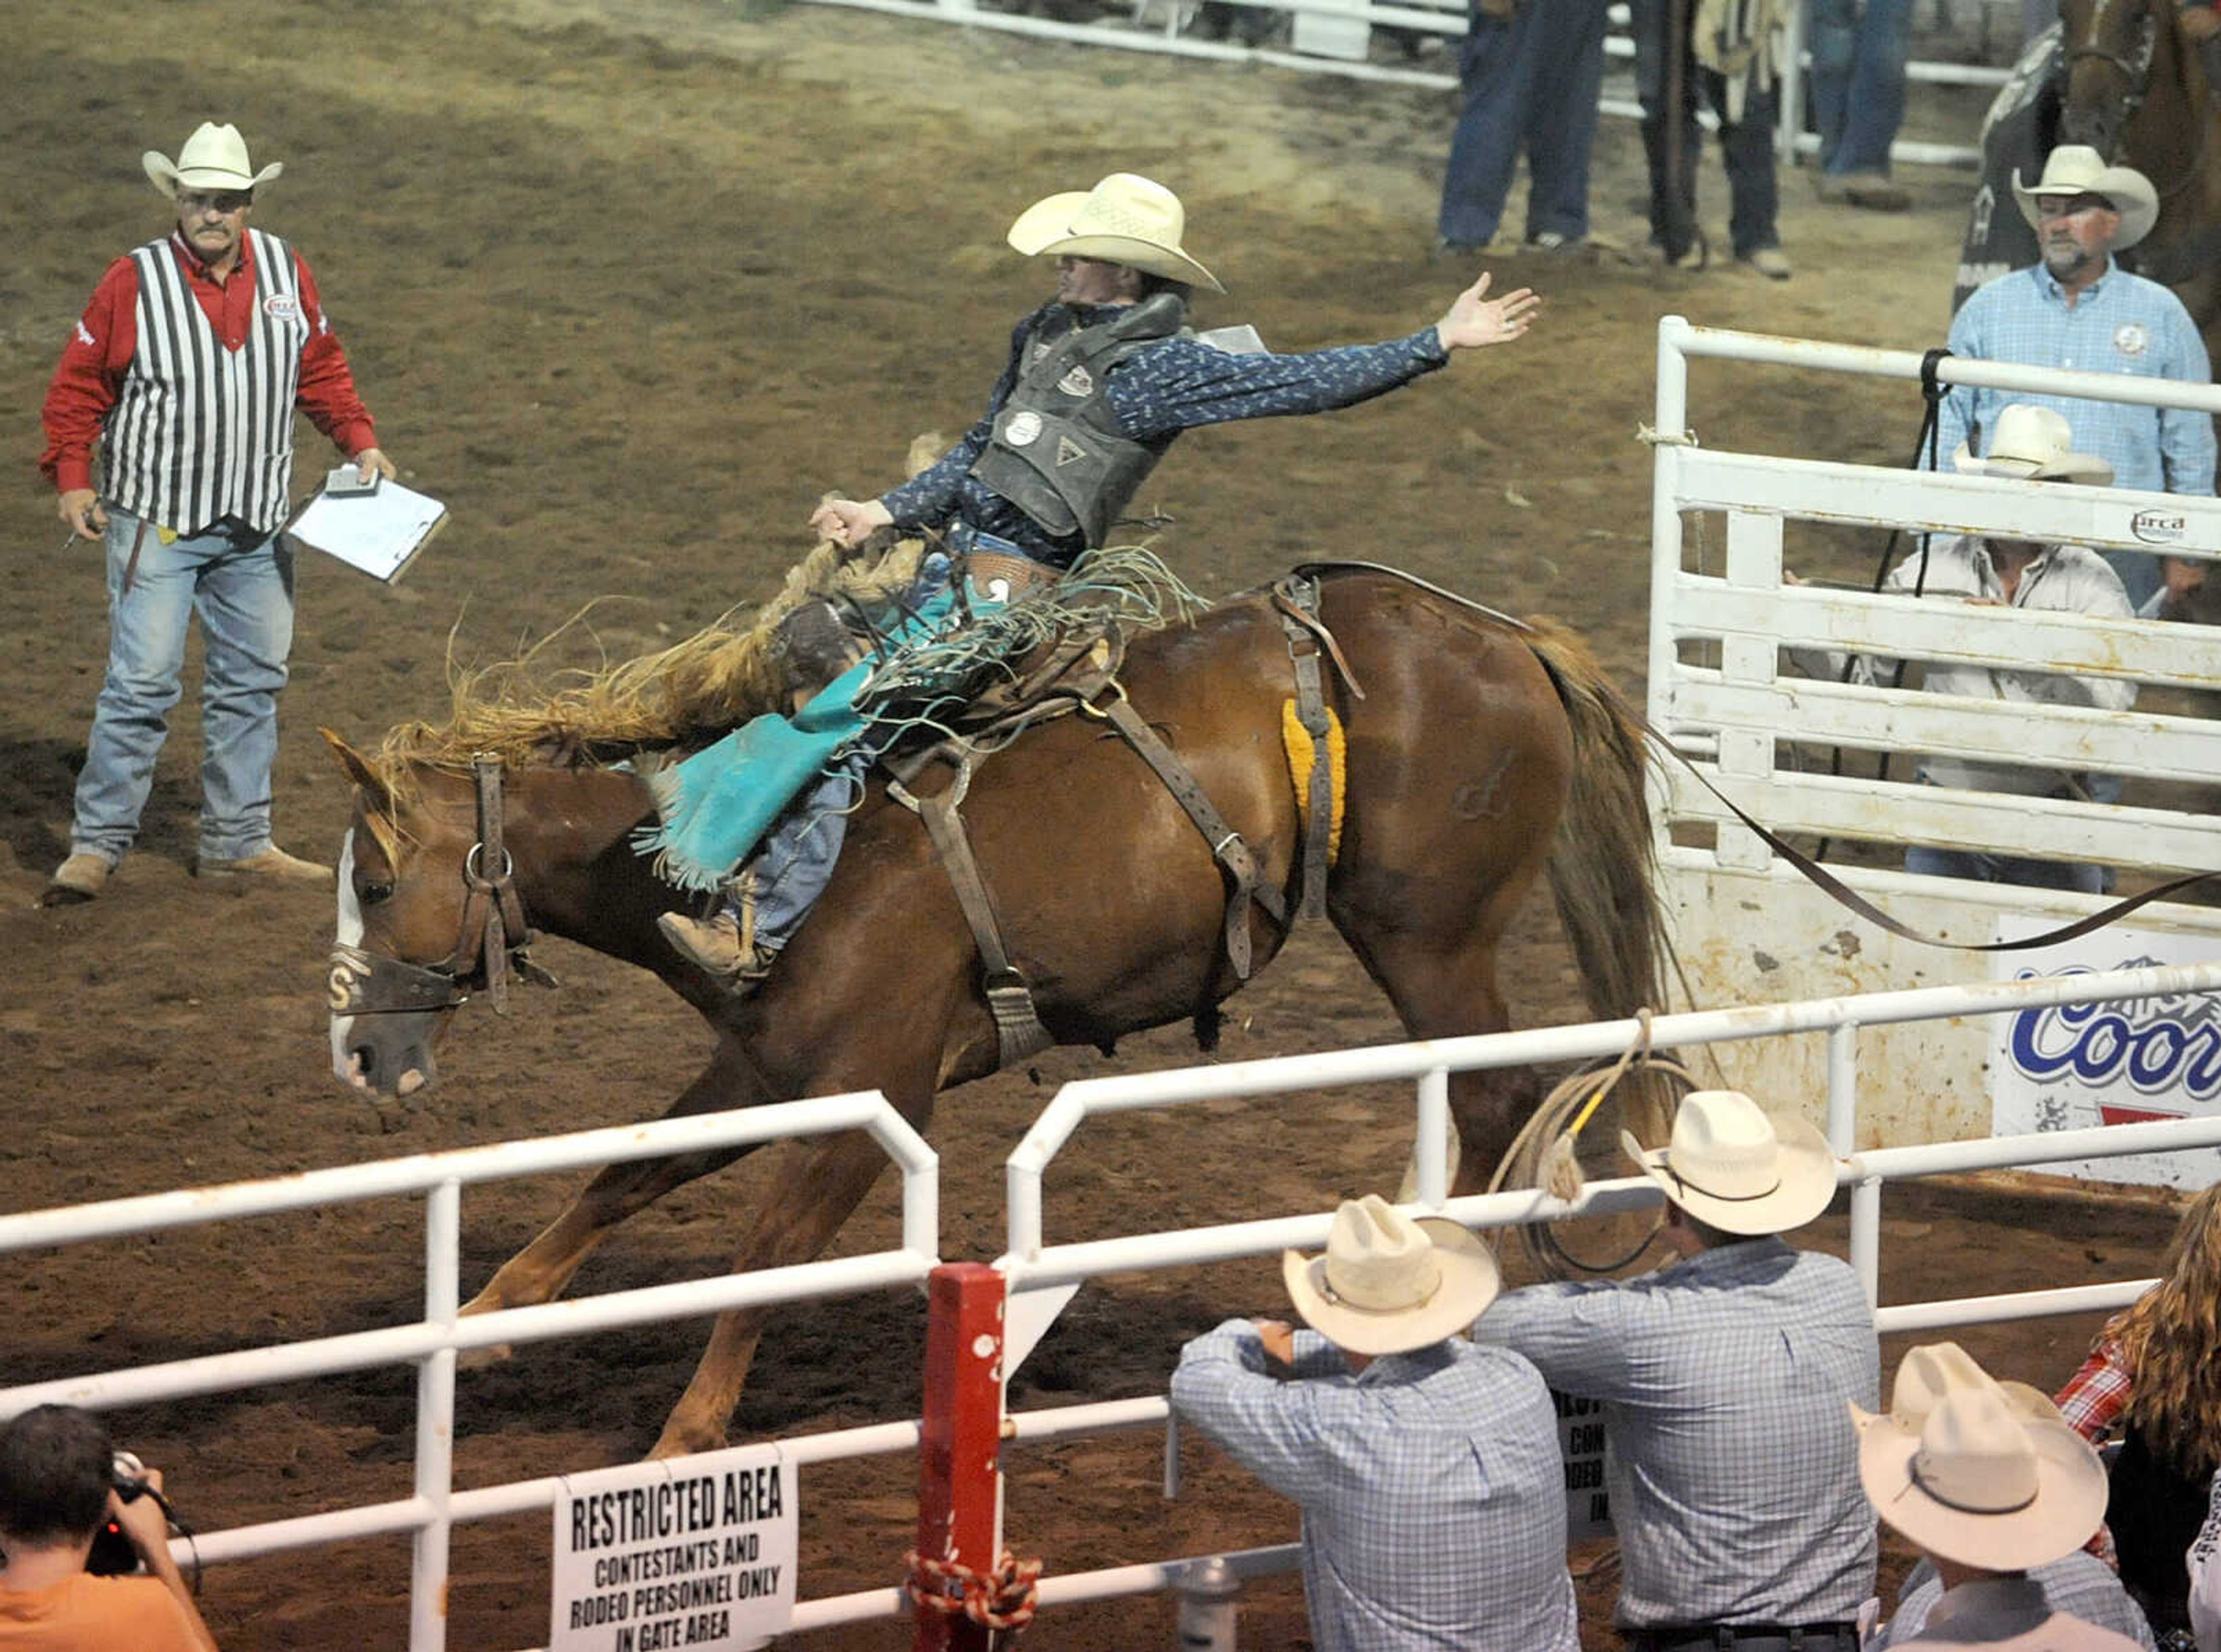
[(2077, 169), (1737, 1169), (1125, 219), (214, 157), (1977, 1471), (2034, 444), (1387, 1284)]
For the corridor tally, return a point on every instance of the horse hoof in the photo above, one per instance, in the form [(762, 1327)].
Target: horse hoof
[(676, 1443)]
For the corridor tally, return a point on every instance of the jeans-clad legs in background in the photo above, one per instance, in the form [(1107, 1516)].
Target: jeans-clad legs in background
[(240, 584), (1858, 49), (1531, 82), (1746, 146)]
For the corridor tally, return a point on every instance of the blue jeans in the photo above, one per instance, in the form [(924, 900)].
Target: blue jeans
[(241, 585), (2004, 869), (1746, 146), (795, 861), (1858, 49), (1530, 83)]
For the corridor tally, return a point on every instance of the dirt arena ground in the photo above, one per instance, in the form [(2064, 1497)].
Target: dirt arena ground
[(629, 284)]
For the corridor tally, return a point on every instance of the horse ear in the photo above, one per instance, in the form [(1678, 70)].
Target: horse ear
[(357, 768)]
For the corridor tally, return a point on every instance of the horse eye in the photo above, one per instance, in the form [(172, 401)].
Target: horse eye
[(371, 893)]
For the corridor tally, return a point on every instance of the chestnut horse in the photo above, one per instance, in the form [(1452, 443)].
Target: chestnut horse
[(1482, 752), (2136, 92)]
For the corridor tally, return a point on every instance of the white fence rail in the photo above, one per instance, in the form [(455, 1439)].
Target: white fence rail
[(433, 1342), (1334, 37), (1746, 707), (1032, 1265)]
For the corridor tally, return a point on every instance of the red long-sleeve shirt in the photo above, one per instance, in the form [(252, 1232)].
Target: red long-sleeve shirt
[(93, 364)]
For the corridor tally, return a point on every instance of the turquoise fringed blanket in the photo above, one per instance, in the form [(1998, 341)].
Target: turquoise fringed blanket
[(713, 807)]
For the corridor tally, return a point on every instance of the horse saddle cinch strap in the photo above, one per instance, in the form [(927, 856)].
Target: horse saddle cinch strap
[(1227, 846), (1295, 596), (1018, 1030)]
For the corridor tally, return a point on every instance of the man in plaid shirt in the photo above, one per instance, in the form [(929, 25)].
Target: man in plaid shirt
[(1427, 1468), (1731, 1460)]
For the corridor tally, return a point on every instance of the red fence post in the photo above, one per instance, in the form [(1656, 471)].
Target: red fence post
[(960, 1501)]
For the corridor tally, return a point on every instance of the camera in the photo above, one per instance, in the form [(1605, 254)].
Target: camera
[(112, 1554)]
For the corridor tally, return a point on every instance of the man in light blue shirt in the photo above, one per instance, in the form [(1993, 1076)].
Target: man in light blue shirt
[(1729, 1459), (2079, 309), (1427, 1468)]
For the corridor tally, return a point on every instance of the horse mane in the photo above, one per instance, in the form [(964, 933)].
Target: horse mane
[(527, 711)]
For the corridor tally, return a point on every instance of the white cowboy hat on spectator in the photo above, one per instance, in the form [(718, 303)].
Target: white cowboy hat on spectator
[(214, 157), (1387, 1284), (1977, 1471), (2034, 444), (1737, 1169), (1125, 219), (2077, 169)]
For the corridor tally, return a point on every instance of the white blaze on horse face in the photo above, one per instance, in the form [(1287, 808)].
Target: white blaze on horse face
[(348, 934)]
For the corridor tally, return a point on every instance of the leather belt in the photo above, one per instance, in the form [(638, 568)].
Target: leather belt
[(1746, 1638), (963, 539)]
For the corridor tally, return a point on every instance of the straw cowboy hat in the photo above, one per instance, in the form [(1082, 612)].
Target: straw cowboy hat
[(1737, 1169), (2034, 444), (2077, 169), (1125, 219), (214, 157), (1387, 1284), (1977, 1471)]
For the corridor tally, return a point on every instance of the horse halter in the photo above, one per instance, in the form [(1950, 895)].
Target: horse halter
[(2134, 68), (490, 943)]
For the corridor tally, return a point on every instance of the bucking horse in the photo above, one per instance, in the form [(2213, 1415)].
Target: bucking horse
[(1472, 753)]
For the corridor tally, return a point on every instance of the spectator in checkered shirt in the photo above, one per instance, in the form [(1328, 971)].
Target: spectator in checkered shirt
[(1427, 1468), (1726, 1378), (2152, 1371)]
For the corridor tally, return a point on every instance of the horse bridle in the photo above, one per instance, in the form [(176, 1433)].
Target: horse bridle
[(489, 942), (2136, 68)]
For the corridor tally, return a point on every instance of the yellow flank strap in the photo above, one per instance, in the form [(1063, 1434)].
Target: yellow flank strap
[(1302, 753)]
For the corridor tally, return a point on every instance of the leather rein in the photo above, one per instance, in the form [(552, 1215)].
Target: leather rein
[(491, 937)]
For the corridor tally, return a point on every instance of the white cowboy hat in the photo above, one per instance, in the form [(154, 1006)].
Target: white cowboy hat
[(2034, 444), (1738, 1169), (214, 157), (1977, 1471), (1387, 1284), (2077, 169), (1125, 219)]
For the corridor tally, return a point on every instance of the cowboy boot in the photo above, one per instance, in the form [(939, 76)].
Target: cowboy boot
[(724, 945)]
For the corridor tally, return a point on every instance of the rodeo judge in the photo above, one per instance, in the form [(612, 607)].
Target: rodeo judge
[(1103, 379), (186, 367)]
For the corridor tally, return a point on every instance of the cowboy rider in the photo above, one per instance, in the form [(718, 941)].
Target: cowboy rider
[(1104, 378), (1099, 382)]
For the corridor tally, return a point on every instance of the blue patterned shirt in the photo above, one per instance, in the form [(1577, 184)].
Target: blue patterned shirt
[(2121, 323), (1433, 1494), (1175, 385), (2081, 1586), (1729, 1456)]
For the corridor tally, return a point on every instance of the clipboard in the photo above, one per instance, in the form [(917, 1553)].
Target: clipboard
[(379, 532)]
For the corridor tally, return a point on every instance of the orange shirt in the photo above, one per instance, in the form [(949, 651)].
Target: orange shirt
[(84, 1613)]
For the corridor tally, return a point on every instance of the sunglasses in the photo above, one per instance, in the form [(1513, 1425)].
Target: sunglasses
[(226, 202)]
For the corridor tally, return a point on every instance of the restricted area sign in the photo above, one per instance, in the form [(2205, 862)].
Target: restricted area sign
[(693, 1552), (1581, 1442)]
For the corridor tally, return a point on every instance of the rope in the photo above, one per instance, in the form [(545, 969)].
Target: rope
[(1558, 1123), (1005, 1597)]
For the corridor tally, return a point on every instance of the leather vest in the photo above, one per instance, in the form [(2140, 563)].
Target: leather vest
[(1056, 451)]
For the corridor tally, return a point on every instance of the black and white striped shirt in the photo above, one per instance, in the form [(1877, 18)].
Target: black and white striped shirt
[(200, 433)]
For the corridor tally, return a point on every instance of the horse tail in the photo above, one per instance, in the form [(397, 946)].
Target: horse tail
[(1604, 861)]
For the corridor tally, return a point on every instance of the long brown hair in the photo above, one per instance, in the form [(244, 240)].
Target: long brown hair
[(2168, 1339)]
